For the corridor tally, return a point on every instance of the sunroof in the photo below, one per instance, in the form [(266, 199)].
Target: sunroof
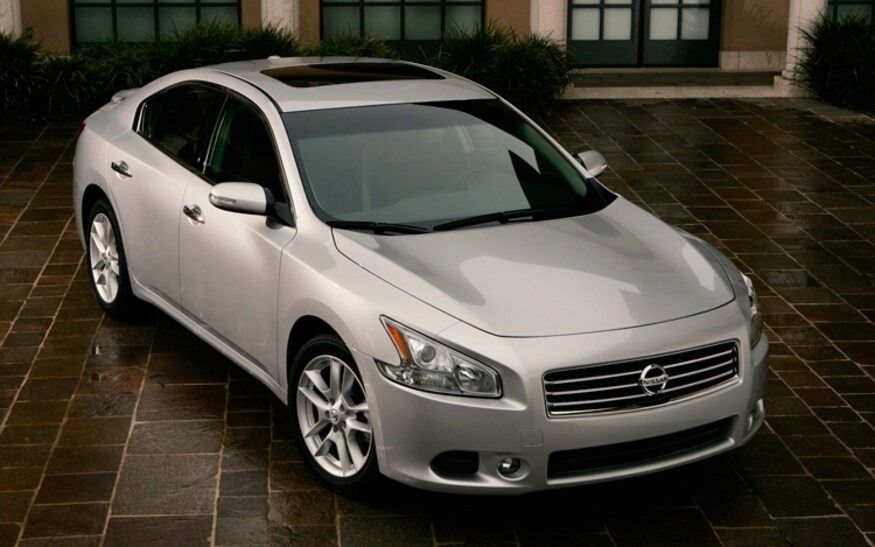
[(347, 73)]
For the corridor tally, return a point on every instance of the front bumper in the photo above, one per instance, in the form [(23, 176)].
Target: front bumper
[(414, 427)]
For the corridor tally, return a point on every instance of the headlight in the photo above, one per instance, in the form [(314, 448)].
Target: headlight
[(431, 366), (756, 313)]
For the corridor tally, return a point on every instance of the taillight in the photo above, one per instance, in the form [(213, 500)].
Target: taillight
[(81, 128)]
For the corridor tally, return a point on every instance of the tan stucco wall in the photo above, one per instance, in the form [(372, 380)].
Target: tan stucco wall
[(49, 20), (515, 14), (309, 32), (755, 25), (250, 13)]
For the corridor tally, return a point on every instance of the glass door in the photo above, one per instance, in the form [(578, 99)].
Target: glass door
[(681, 32), (603, 32), (644, 32)]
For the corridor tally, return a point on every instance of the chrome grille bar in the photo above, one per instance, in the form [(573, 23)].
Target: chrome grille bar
[(616, 386)]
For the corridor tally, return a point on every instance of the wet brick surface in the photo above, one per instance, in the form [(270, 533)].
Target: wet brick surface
[(139, 434)]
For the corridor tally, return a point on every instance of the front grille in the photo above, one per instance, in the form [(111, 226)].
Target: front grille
[(568, 463), (609, 387)]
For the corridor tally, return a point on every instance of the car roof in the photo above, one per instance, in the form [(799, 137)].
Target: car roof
[(314, 83)]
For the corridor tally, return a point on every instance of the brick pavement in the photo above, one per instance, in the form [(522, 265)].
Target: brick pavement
[(139, 434)]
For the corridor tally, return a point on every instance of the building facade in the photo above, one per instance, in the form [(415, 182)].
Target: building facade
[(731, 34)]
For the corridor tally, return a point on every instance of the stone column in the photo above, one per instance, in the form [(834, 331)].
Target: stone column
[(802, 13), (10, 17), (550, 18), (281, 14)]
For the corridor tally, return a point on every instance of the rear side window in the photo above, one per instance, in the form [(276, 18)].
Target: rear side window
[(180, 121)]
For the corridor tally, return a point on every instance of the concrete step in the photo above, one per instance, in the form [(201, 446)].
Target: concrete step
[(630, 83), (626, 77)]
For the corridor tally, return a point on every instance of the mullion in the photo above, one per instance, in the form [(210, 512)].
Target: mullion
[(402, 4)]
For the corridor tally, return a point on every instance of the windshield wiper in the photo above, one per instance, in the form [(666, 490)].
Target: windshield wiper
[(504, 217), (378, 228)]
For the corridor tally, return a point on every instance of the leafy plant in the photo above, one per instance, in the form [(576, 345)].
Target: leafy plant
[(70, 87), (353, 45), (260, 43), (527, 70), (20, 74), (837, 63), (117, 65), (192, 46)]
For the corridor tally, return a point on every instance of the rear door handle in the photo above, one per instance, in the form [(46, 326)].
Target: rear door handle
[(122, 168), (194, 212)]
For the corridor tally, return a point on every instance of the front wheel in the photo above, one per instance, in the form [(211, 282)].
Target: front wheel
[(108, 270), (330, 416)]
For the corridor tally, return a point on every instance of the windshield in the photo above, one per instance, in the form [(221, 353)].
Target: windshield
[(432, 165)]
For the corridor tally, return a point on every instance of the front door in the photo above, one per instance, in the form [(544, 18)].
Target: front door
[(230, 262), (644, 32)]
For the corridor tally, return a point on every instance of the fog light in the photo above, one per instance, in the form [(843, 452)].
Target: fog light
[(508, 466)]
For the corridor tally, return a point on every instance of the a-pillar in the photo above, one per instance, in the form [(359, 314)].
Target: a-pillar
[(802, 13)]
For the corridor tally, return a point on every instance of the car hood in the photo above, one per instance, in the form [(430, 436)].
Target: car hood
[(618, 268)]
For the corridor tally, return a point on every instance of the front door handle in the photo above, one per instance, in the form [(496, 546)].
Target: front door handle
[(194, 213), (122, 168)]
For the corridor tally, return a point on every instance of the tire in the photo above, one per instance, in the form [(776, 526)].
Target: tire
[(330, 416), (107, 264)]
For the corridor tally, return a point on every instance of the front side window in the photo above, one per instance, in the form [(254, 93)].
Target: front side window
[(145, 20), (244, 150), (402, 20), (432, 164), (180, 121)]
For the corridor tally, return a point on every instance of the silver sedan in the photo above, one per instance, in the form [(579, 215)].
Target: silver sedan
[(439, 292)]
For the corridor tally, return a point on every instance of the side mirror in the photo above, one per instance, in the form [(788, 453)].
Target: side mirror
[(593, 162), (242, 197)]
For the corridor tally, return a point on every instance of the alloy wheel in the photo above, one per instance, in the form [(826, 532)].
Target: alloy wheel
[(104, 258), (333, 416)]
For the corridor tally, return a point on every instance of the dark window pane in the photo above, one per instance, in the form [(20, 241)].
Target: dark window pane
[(93, 24), (184, 122), (136, 24), (383, 22), (340, 20)]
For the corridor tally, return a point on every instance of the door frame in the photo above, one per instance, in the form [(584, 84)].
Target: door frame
[(640, 51)]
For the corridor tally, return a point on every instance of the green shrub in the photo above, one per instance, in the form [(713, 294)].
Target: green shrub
[(117, 65), (529, 70), (472, 54), (837, 63), (20, 73), (216, 42), (197, 45), (70, 86), (260, 43), (352, 45)]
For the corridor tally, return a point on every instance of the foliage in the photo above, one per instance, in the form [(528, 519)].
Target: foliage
[(838, 62), (214, 42), (20, 75), (70, 87), (353, 45), (528, 70), (117, 65)]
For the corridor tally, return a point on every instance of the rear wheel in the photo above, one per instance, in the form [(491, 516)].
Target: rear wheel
[(108, 270), (331, 417)]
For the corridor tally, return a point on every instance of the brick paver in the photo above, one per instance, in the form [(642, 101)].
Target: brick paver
[(139, 434)]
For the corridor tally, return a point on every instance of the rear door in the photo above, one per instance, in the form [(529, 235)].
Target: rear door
[(148, 171)]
